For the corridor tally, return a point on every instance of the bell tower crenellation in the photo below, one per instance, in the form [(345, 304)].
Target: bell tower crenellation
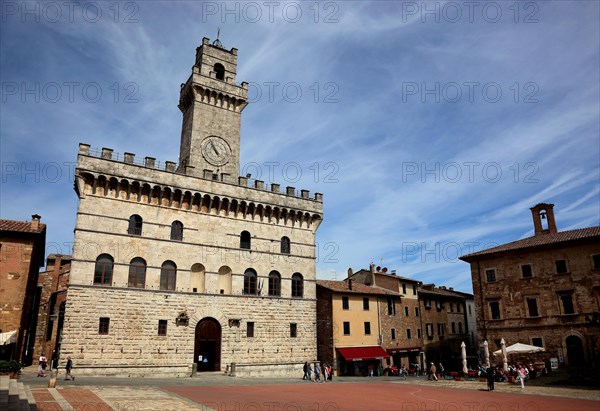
[(211, 103)]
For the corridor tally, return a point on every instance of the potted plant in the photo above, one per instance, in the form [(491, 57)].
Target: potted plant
[(11, 368)]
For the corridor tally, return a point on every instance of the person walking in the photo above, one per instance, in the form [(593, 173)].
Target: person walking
[(305, 368), (521, 375), (68, 368), (491, 376), (441, 368), (317, 372), (310, 371), (432, 372)]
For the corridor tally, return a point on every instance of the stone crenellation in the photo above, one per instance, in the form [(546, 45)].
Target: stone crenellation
[(171, 167)]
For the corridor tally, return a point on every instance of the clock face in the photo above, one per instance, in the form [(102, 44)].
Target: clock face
[(216, 151)]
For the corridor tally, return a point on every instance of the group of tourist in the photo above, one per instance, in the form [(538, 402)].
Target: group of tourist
[(317, 373), (497, 374)]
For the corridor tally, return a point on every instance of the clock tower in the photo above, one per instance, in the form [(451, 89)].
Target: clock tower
[(212, 105)]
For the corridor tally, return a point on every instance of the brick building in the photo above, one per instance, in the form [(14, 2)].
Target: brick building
[(190, 266), (542, 290), (22, 247), (52, 295), (351, 319)]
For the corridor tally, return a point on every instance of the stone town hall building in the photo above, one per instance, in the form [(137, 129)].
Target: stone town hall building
[(191, 266)]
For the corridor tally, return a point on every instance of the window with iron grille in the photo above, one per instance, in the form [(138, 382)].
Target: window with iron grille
[(135, 225)]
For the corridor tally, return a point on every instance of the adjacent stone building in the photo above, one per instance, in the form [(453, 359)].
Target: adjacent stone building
[(184, 267), (430, 322), (351, 320), (52, 295), (542, 290), (445, 321), (22, 247)]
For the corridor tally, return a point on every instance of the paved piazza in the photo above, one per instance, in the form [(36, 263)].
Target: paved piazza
[(221, 393)]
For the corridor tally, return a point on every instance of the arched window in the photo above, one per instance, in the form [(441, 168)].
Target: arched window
[(285, 245), (460, 330), (137, 273), (168, 275), (103, 270), (453, 327), (135, 225), (219, 71), (274, 284), (297, 285), (177, 230), (245, 240), (250, 281)]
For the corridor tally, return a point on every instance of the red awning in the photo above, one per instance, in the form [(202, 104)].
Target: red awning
[(363, 353)]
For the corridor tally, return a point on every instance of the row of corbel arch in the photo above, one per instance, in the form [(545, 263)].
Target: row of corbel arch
[(212, 97), (146, 193)]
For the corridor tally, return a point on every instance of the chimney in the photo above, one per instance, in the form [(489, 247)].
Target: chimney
[(543, 219), (35, 222), (350, 283)]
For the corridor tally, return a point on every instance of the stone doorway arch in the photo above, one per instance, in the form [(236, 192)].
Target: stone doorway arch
[(575, 354), (207, 345)]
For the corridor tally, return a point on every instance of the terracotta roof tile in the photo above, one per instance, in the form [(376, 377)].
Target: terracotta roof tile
[(539, 240), (20, 226), (357, 288)]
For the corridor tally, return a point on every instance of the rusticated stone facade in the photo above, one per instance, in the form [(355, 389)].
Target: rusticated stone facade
[(542, 290), (184, 267)]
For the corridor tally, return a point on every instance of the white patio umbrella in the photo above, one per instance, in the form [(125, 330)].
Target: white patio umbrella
[(519, 348), (463, 355), (486, 354), (504, 354)]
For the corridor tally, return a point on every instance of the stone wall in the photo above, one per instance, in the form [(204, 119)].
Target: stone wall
[(133, 345)]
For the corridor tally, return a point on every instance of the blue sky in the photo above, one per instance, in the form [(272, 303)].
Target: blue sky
[(430, 127)]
